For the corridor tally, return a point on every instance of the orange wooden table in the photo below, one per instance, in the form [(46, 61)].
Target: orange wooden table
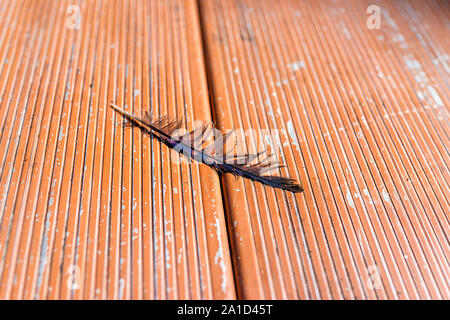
[(359, 115)]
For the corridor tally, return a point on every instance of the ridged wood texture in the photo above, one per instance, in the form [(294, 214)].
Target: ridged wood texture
[(360, 117), (92, 210), (88, 208)]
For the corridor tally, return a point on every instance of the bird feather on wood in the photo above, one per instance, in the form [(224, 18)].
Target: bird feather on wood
[(195, 145)]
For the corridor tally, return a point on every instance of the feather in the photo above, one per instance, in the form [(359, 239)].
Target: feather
[(195, 145)]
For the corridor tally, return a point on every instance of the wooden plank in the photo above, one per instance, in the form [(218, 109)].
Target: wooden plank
[(89, 209), (360, 117)]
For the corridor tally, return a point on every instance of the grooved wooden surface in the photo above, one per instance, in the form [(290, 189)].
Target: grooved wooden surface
[(92, 210), (360, 117)]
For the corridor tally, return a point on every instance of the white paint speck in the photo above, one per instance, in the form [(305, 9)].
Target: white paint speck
[(291, 131), (121, 287), (385, 195), (435, 96), (350, 199), (294, 66)]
